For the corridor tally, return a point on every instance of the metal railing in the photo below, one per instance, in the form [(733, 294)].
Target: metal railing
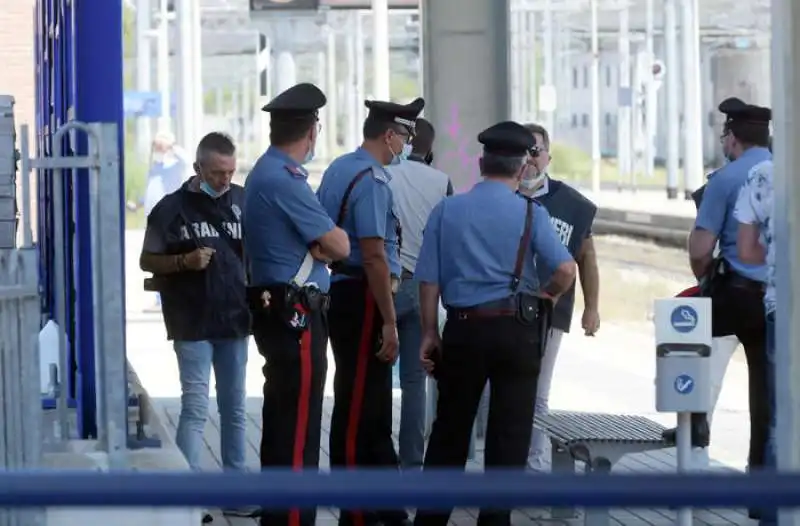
[(393, 490), (102, 166)]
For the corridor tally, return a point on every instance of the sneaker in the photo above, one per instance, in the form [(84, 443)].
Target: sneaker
[(537, 464)]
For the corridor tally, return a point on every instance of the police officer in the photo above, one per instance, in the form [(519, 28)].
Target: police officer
[(193, 247), (290, 238), (478, 252), (572, 216), (363, 325), (736, 288)]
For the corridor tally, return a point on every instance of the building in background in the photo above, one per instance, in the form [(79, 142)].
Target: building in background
[(727, 71), (16, 58)]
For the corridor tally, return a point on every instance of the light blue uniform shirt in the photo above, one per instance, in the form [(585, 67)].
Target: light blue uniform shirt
[(281, 218), (470, 246), (369, 207), (716, 213)]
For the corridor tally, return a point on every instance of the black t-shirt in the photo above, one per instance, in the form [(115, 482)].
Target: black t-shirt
[(572, 216)]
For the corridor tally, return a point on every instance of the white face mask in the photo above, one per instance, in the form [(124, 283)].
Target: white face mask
[(531, 179)]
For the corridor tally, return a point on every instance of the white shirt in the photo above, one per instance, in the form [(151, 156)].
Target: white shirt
[(416, 188), (755, 207)]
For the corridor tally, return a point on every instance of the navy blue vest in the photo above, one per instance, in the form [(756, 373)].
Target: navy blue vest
[(208, 304), (572, 216)]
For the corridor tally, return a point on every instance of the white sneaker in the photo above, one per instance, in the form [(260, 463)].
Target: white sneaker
[(537, 464), (700, 461)]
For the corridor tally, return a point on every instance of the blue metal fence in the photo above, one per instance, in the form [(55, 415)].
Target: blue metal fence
[(376, 490), (75, 40)]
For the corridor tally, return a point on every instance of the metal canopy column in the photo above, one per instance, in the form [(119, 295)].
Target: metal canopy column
[(459, 36), (786, 115)]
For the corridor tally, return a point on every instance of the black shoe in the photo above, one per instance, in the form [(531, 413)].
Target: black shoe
[(395, 518), (701, 432)]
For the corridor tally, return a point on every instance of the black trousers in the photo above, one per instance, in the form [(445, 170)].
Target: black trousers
[(294, 383), (738, 308), (505, 353), (361, 424)]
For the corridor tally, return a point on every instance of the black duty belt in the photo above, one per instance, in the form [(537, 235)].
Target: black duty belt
[(494, 309), (406, 274), (738, 281), (282, 295), (351, 271)]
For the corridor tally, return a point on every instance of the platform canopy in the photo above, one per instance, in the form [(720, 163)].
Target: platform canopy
[(730, 18)]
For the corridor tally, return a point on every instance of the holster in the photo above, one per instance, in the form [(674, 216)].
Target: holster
[(534, 310), (716, 274), (154, 284), (292, 305), (528, 307)]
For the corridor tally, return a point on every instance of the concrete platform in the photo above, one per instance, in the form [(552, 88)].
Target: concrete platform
[(641, 201), (611, 372), (645, 213), (83, 456)]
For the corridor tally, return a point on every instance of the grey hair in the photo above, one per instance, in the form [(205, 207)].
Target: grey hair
[(214, 143)]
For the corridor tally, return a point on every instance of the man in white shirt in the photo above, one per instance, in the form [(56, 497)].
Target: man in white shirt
[(755, 245), (417, 188)]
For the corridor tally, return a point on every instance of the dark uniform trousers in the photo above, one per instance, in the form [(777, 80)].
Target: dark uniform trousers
[(738, 308), (361, 424), (507, 354), (294, 383)]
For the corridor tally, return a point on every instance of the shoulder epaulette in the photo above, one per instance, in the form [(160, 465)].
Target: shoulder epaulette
[(296, 171), (380, 175)]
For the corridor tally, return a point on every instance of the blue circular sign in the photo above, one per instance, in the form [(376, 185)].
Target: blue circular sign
[(684, 318), (684, 384)]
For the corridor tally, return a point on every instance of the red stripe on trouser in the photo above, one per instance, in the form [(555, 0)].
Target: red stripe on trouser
[(689, 293), (303, 401), (357, 401)]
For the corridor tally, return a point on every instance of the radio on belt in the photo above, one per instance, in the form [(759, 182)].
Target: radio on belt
[(683, 351)]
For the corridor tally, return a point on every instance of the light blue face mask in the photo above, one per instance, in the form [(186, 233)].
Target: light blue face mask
[(205, 187), (309, 156), (402, 156)]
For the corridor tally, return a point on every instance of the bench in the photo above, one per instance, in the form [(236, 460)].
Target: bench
[(599, 440)]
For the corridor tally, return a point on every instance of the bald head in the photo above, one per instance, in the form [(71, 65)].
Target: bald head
[(163, 142)]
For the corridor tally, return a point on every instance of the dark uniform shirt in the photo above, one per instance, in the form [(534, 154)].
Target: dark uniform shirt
[(206, 304), (571, 215)]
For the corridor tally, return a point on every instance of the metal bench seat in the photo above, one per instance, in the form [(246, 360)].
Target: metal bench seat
[(599, 440)]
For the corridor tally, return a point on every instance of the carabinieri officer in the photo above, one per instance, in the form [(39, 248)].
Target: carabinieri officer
[(480, 251), (736, 288), (289, 239), (363, 325)]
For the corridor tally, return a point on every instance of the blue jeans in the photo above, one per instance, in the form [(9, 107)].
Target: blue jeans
[(229, 359), (412, 376), (769, 516)]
